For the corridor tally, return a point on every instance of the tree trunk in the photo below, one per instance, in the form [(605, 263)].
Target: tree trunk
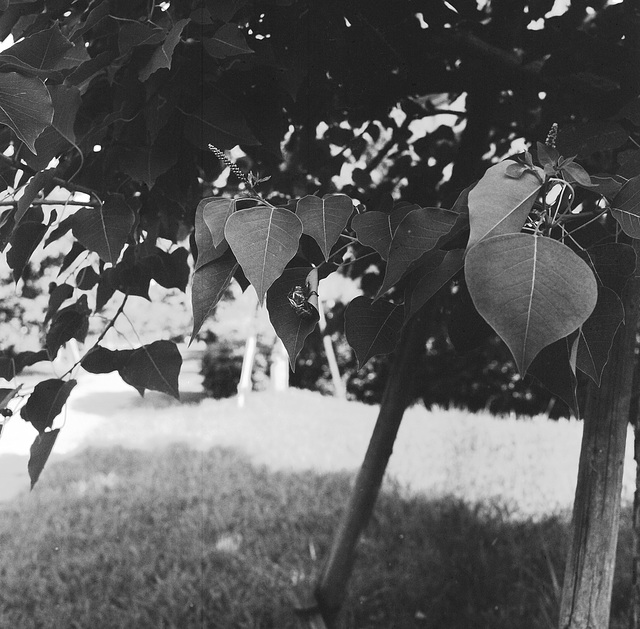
[(588, 581), (331, 588)]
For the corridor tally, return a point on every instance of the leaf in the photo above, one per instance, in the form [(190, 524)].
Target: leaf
[(208, 286), (324, 219), (625, 207), (31, 191), (58, 294), (155, 367), (263, 240), (39, 454), (373, 229), (146, 164), (597, 332), (207, 251), (552, 367), (531, 290), (548, 156), (132, 34), (69, 323), (87, 278), (292, 329), (585, 139), (215, 213), (46, 401), (218, 122), (614, 263), (39, 53), (433, 279), (228, 41), (163, 54), (24, 240), (515, 170), (419, 232), (575, 172), (104, 230), (606, 186), (372, 328), (25, 106), (499, 204), (102, 360)]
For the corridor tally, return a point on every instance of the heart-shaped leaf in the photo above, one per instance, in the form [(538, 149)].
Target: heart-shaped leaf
[(39, 53), (207, 249), (433, 278), (209, 284), (104, 230), (155, 367), (499, 204), (25, 106), (419, 232), (373, 229), (46, 402), (39, 454), (263, 240), (372, 328), (102, 360), (597, 332), (292, 328), (625, 207), (324, 219), (532, 290), (215, 213), (163, 54), (228, 41)]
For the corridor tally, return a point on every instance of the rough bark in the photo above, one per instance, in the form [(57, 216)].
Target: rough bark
[(588, 581)]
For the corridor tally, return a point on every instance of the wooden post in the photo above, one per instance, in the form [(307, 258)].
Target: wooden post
[(331, 588), (338, 385), (588, 581)]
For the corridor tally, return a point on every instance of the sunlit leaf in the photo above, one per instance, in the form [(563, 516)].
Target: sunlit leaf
[(324, 219), (46, 402), (499, 204), (292, 328), (104, 230), (263, 240), (532, 290), (597, 332), (419, 232), (372, 328), (155, 367)]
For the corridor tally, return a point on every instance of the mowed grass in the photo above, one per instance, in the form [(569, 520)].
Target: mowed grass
[(159, 534)]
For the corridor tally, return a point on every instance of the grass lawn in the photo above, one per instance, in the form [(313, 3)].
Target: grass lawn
[(207, 516)]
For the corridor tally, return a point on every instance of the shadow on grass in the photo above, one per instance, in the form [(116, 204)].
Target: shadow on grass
[(179, 538)]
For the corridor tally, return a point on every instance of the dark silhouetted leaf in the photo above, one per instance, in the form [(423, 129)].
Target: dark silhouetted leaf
[(87, 278), (104, 230), (433, 278), (373, 229), (614, 263), (228, 41), (24, 240), (597, 332), (289, 326), (419, 232), (209, 284), (46, 402), (324, 219), (39, 454), (532, 290), (146, 164), (625, 207), (586, 139), (31, 191), (155, 367), (163, 54), (69, 323), (102, 360), (57, 296), (263, 240), (372, 328), (499, 204)]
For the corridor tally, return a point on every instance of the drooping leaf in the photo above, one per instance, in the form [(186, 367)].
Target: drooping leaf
[(597, 332), (263, 240), (104, 230), (69, 323), (532, 290), (25, 106), (208, 286), (102, 360), (155, 367), (58, 294), (433, 278), (625, 207), (372, 328), (170, 270), (289, 326), (218, 122), (163, 54), (614, 263), (39, 454), (215, 213), (606, 186), (228, 41), (419, 232), (12, 365), (39, 181), (146, 164), (324, 219), (24, 240), (552, 367), (373, 229), (46, 401), (207, 250), (499, 204)]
